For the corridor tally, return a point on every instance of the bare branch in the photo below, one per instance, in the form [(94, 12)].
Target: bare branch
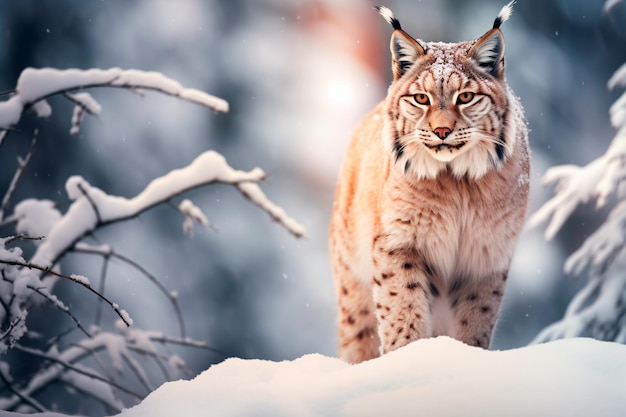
[(80, 248), (121, 313), (13, 238), (68, 365), (91, 202), (103, 277), (161, 338), (25, 398), (56, 302), (21, 165), (12, 325), (139, 372)]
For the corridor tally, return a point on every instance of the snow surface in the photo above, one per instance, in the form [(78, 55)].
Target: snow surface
[(430, 377)]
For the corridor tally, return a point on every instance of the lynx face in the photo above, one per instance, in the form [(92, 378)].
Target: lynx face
[(446, 106)]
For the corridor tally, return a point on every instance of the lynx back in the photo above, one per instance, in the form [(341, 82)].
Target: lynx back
[(430, 199)]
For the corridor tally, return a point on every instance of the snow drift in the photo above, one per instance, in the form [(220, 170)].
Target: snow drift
[(430, 377)]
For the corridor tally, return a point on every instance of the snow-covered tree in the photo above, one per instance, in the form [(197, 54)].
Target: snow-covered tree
[(598, 310), (98, 364)]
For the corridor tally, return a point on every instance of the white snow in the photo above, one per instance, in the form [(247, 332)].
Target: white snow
[(254, 193), (81, 279), (42, 109), (209, 167), (192, 213), (430, 377), (86, 101), (36, 84), (10, 254), (35, 217)]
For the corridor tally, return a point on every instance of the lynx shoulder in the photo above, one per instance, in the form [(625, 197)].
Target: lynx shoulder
[(430, 199)]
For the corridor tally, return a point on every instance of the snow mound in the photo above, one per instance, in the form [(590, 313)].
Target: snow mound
[(431, 377)]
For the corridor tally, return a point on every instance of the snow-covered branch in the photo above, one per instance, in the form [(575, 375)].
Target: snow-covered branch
[(93, 208), (599, 309), (35, 85), (53, 234), (78, 279)]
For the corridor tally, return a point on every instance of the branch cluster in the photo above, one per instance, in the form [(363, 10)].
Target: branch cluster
[(599, 309), (25, 283)]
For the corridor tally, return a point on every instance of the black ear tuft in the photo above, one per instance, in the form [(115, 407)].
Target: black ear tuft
[(389, 17), (504, 14), (404, 49), (488, 52)]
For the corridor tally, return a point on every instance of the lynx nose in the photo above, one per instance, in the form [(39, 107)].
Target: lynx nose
[(442, 132)]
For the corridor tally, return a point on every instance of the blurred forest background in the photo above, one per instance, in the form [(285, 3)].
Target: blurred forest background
[(298, 75)]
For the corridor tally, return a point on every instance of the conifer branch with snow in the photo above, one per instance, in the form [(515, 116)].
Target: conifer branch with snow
[(599, 309)]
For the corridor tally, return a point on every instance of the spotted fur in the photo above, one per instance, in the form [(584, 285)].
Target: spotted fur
[(430, 199)]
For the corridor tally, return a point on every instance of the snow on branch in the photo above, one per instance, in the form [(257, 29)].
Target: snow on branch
[(40, 289), (53, 234), (599, 309), (93, 208), (35, 85), (574, 186), (597, 181), (66, 365), (192, 214)]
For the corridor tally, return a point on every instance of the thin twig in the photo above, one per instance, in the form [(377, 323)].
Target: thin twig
[(21, 165), (91, 202), (138, 371), (158, 359), (103, 277), (61, 307), (185, 342), (25, 398), (57, 338), (13, 238), (12, 325), (173, 300), (114, 306), (43, 355), (8, 92)]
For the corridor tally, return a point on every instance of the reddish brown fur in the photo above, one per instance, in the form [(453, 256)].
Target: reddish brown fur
[(415, 255)]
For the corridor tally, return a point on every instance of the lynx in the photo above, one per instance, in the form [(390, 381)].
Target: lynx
[(431, 198)]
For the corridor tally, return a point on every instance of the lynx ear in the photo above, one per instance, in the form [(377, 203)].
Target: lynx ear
[(488, 52), (404, 49), (404, 52)]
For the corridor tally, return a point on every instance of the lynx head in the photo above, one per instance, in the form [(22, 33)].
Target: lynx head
[(447, 108)]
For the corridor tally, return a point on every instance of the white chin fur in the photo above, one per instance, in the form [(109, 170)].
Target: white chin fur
[(445, 154), (474, 162)]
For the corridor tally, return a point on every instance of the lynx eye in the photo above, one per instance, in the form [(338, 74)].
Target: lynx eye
[(465, 97), (421, 98)]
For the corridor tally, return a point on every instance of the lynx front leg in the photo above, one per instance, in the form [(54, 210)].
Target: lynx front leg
[(358, 339), (400, 290), (476, 307)]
